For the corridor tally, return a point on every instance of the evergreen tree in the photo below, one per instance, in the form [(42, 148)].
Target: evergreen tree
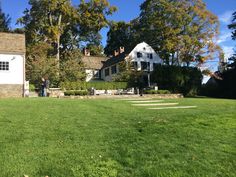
[(4, 21), (119, 35), (232, 26)]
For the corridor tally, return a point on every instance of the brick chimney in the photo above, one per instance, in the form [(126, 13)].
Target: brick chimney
[(122, 49), (116, 53), (86, 52)]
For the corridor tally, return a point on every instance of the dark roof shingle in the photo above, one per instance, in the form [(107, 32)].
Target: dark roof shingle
[(92, 62), (114, 60)]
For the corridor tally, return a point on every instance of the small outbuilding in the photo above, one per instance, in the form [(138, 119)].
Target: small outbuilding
[(12, 64)]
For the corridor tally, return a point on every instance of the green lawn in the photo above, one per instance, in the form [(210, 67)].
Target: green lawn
[(99, 138)]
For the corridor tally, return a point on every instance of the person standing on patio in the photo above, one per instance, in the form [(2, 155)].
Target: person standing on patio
[(47, 86), (43, 87)]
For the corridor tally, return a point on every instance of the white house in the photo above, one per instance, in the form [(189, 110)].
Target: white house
[(12, 65), (143, 57)]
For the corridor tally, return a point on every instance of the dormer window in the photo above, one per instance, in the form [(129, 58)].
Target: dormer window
[(139, 55), (150, 55)]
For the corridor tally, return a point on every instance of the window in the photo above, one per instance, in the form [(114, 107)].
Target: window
[(107, 72), (145, 65), (113, 69), (134, 65), (150, 55), (4, 66), (96, 74), (139, 55)]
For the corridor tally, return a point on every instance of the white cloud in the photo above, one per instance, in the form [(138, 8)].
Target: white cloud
[(226, 17), (225, 36), (228, 51)]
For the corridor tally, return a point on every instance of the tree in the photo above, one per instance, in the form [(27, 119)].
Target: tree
[(181, 31), (225, 85), (40, 63), (93, 17), (5, 21), (62, 26), (72, 68), (232, 26), (119, 35), (95, 50), (47, 20), (228, 84), (128, 73), (177, 79)]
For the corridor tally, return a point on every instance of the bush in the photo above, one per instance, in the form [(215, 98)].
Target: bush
[(76, 92), (225, 88), (96, 85), (186, 80), (32, 87), (157, 92), (81, 92), (69, 93)]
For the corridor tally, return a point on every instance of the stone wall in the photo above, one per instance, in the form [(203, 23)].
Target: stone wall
[(146, 96), (9, 91)]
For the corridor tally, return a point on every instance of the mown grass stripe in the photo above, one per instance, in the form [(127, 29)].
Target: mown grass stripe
[(147, 101), (175, 107), (135, 99), (156, 104)]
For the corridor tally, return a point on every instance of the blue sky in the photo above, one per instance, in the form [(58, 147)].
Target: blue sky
[(129, 9)]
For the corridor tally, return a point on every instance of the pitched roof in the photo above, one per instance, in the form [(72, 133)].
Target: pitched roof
[(92, 62), (12, 43), (114, 60)]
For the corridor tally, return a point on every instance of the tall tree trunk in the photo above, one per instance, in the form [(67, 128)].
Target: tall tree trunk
[(58, 52), (58, 43)]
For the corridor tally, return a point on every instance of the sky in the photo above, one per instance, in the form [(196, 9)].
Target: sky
[(129, 9)]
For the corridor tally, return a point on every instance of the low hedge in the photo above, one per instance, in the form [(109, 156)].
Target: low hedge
[(32, 88), (76, 93), (157, 92), (96, 85), (177, 79)]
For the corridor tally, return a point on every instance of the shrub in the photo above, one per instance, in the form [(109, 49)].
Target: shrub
[(186, 80), (69, 93), (81, 92), (96, 85), (32, 87), (76, 92), (157, 92)]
